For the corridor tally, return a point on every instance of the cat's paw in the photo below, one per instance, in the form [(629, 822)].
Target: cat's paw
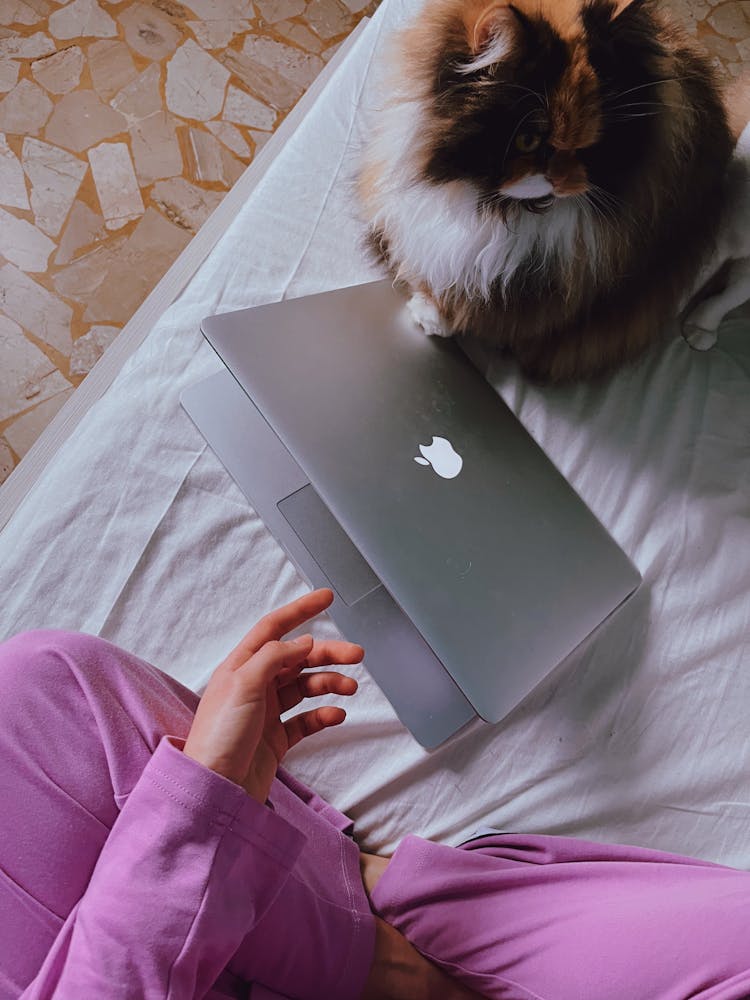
[(426, 315), (699, 338)]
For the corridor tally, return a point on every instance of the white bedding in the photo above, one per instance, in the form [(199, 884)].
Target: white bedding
[(137, 534)]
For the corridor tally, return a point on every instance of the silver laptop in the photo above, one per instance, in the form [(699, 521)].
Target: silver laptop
[(391, 471)]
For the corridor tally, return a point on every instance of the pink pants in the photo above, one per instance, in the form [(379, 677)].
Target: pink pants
[(514, 916)]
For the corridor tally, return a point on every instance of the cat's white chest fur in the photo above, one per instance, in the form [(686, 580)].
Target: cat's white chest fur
[(439, 235), (451, 244)]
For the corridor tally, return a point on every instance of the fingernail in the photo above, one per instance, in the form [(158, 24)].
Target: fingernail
[(303, 640)]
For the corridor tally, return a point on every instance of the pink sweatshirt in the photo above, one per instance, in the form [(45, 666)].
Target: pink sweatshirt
[(197, 890)]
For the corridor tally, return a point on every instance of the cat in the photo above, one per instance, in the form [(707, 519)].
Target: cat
[(547, 175)]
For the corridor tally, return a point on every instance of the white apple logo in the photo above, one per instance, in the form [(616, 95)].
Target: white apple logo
[(442, 456)]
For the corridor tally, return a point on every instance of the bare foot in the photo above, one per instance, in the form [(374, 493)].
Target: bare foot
[(399, 972)]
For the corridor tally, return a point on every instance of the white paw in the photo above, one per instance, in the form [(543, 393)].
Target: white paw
[(698, 338), (426, 314)]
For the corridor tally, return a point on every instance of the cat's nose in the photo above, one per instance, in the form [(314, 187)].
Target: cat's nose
[(566, 173)]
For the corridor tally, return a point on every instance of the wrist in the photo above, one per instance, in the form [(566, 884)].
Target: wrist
[(212, 762)]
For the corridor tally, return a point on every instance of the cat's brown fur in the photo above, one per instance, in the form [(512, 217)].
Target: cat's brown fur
[(612, 293)]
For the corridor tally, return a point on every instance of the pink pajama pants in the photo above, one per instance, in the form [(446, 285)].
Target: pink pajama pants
[(514, 916)]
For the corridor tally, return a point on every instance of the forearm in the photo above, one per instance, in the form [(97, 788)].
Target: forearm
[(191, 864)]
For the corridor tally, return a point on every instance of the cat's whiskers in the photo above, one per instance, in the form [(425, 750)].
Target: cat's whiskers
[(633, 115), (588, 201), (642, 86), (526, 90), (611, 200)]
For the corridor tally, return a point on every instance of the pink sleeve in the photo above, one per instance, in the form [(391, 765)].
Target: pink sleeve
[(190, 866)]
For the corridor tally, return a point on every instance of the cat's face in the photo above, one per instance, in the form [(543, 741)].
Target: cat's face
[(544, 99)]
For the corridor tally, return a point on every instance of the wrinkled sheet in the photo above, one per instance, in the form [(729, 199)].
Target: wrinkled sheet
[(137, 534)]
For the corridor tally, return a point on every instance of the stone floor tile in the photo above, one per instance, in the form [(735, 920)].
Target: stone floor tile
[(89, 348), (153, 245), (231, 136), (26, 374), (83, 228), (731, 19), (28, 12), (328, 18), (243, 109), (16, 46), (7, 461), (24, 431), (265, 83), (141, 98), (195, 83), (300, 35), (23, 244), (218, 10), (279, 10), (25, 109), (81, 279), (156, 151), (80, 121), (184, 203), (55, 176), (111, 66), (217, 34), (82, 19), (41, 313), (300, 67), (60, 72), (149, 31), (116, 184), (9, 70), (12, 184)]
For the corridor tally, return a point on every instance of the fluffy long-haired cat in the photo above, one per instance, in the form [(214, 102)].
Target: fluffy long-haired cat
[(548, 174)]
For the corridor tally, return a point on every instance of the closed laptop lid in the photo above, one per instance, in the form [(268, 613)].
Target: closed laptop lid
[(474, 532)]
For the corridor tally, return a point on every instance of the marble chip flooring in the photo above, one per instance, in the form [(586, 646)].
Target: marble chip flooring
[(122, 125)]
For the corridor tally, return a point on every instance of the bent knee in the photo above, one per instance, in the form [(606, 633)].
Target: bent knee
[(36, 667)]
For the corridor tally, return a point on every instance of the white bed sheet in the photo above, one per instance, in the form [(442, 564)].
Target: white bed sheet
[(136, 533)]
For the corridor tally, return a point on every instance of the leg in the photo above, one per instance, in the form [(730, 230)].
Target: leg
[(427, 314), (702, 323), (552, 917), (79, 719)]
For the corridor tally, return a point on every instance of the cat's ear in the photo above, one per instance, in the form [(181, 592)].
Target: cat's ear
[(492, 22), (607, 20), (632, 5)]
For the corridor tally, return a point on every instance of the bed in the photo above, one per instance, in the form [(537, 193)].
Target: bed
[(134, 532)]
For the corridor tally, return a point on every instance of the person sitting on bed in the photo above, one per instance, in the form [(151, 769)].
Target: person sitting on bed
[(152, 847)]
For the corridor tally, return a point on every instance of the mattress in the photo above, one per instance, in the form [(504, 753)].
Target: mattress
[(136, 533)]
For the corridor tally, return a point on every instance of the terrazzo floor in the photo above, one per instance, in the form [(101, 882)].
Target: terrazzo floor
[(122, 125)]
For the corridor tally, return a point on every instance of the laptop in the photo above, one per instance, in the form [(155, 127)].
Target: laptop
[(393, 473)]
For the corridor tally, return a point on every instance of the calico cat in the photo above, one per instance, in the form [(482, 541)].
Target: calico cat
[(547, 174)]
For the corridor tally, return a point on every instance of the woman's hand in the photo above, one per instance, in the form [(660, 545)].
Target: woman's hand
[(237, 731)]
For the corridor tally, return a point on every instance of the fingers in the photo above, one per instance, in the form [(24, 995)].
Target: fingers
[(271, 659), (277, 623), (308, 723), (326, 651), (313, 685)]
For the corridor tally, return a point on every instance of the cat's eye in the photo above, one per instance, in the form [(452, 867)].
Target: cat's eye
[(527, 142)]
